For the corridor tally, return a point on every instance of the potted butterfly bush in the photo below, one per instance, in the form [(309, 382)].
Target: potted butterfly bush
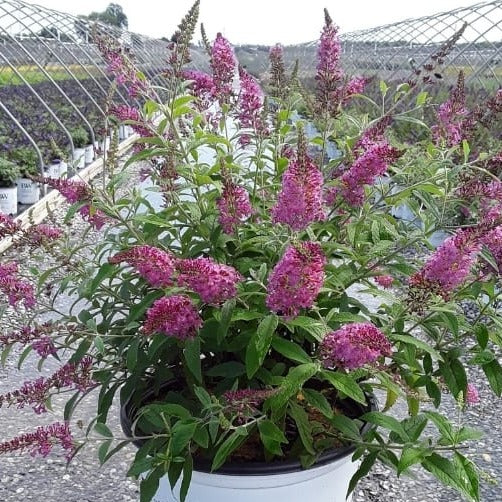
[(9, 174), (246, 323), (28, 190)]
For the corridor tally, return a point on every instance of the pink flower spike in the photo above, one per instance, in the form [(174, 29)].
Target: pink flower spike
[(296, 280), (234, 207), (153, 264), (385, 281), (472, 395), (174, 316), (354, 345)]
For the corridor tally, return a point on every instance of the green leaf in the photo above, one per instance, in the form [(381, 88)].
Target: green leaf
[(187, 477), (443, 425), (292, 383), (346, 426), (410, 456), (226, 317), (182, 434), (103, 430), (458, 474), (191, 353), (383, 88), (315, 328), (419, 344), (203, 396), (103, 450), (150, 484), (493, 372), (233, 441), (290, 349), (260, 344), (421, 98), (230, 369), (387, 422), (454, 375), (271, 436), (299, 415), (363, 470), (318, 401), (346, 384)]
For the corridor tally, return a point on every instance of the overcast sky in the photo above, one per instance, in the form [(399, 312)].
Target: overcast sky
[(261, 21)]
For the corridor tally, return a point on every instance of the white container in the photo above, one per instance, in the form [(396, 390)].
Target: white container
[(328, 483), (53, 170), (79, 158), (129, 131), (8, 200), (28, 191), (122, 132), (105, 145), (89, 154)]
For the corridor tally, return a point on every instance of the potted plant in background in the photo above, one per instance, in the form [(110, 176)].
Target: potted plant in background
[(28, 190), (9, 173), (80, 138), (229, 319)]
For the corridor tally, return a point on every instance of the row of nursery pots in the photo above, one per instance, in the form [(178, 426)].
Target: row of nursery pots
[(27, 191)]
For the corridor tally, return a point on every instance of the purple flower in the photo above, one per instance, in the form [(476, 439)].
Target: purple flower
[(36, 392), (353, 346), (213, 282), (452, 125), (8, 226), (296, 280), (202, 86), (17, 290), (223, 64), (72, 191), (493, 242), (250, 105), (173, 316), (125, 112), (44, 347), (234, 206), (472, 395), (42, 440), (42, 234), (244, 403), (450, 264), (153, 264), (373, 162), (384, 280), (93, 216), (300, 201)]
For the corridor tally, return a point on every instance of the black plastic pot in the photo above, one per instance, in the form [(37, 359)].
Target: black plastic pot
[(128, 412)]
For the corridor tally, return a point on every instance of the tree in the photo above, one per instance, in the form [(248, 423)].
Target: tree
[(113, 15)]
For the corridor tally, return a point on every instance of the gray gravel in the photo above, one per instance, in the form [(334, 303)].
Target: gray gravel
[(24, 478)]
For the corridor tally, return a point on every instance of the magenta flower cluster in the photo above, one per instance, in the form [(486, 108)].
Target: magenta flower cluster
[(300, 201), (451, 263), (202, 86), (472, 395), (224, 65), (174, 316), (36, 393), (385, 281), (332, 88), (213, 282), (296, 280), (233, 206), (354, 345), (17, 290), (125, 112), (153, 264), (373, 161), (42, 440), (250, 106), (452, 126)]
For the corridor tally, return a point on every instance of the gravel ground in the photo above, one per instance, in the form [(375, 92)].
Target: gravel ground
[(23, 478)]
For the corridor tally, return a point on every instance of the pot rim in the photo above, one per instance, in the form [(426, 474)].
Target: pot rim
[(256, 468)]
